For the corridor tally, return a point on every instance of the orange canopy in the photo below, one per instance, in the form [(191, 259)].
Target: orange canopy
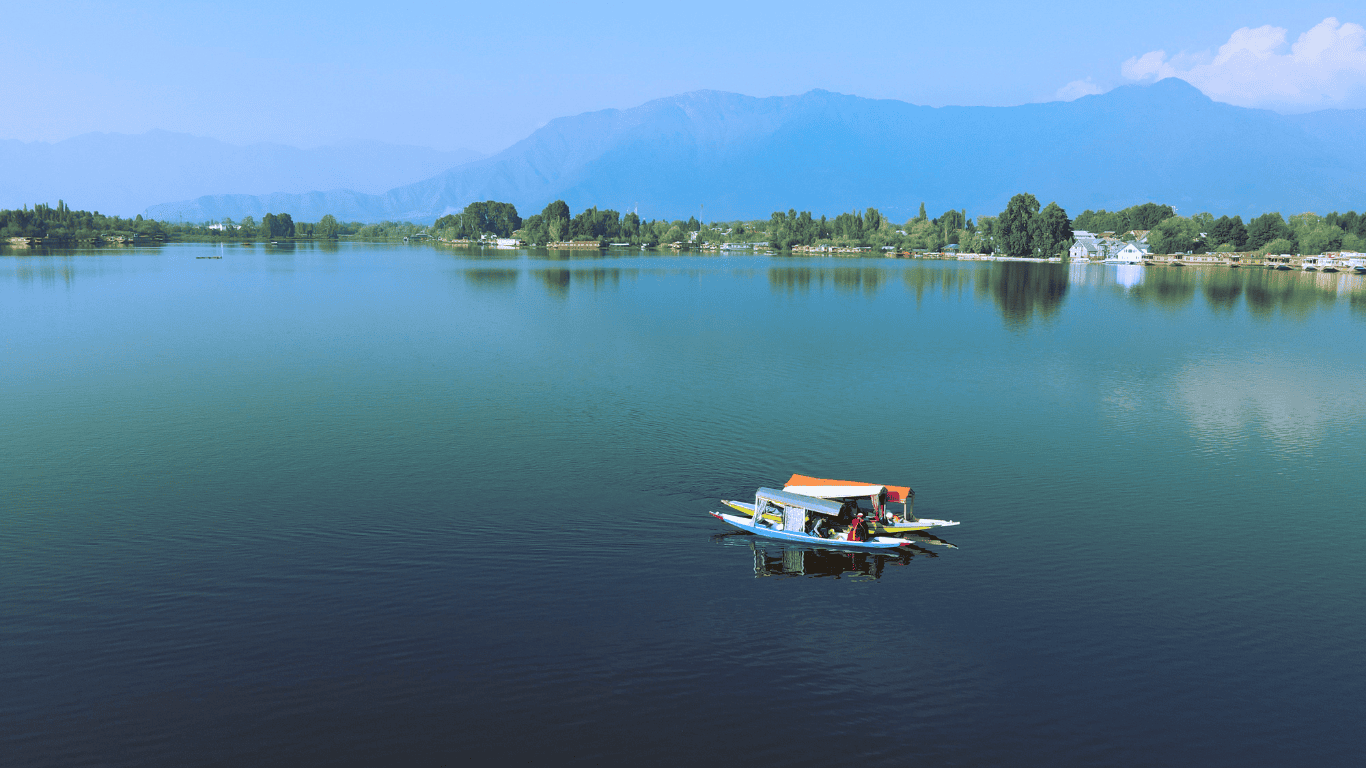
[(895, 493)]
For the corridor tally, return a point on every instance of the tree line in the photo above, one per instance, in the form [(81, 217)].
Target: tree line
[(1024, 228), (62, 223), (555, 224)]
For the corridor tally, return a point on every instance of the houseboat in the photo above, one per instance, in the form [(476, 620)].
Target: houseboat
[(848, 494), (806, 520)]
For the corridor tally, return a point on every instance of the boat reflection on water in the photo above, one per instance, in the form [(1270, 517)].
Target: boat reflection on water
[(925, 537), (777, 558)]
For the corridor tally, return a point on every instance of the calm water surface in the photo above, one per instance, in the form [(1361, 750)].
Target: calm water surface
[(381, 505)]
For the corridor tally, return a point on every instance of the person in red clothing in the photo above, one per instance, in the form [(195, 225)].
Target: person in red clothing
[(859, 530)]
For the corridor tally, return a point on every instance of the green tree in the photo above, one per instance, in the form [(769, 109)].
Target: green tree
[(1014, 223), (1279, 245), (1050, 232), (1143, 216), (1175, 235), (1321, 239), (989, 229), (1267, 227), (556, 217), (973, 242), (873, 219), (1146, 215), (923, 236), (327, 227), (1229, 231)]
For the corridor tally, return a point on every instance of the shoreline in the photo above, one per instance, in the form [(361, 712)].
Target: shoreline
[(1323, 264)]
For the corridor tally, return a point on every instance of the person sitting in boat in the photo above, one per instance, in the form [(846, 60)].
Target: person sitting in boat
[(816, 526), (859, 530)]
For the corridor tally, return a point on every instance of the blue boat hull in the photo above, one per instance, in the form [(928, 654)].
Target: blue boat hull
[(746, 524)]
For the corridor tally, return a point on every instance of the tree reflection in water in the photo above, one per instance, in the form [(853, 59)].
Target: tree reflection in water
[(1167, 287), (865, 280), (1267, 292), (859, 279), (1223, 291), (1024, 290), (1029, 291), (556, 281), (492, 279), (1294, 293)]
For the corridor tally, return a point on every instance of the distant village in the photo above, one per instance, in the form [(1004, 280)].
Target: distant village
[(1132, 248)]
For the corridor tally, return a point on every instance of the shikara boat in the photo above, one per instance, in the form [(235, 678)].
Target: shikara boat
[(849, 493), (803, 519)]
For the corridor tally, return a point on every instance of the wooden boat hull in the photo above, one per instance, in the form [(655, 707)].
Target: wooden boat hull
[(747, 510), (746, 524)]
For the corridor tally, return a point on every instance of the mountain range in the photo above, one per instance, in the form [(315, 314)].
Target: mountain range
[(726, 156), (122, 174)]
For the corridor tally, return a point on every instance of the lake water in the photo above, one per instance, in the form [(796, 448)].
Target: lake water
[(389, 505)]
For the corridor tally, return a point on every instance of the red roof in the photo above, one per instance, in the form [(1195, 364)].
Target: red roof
[(896, 493)]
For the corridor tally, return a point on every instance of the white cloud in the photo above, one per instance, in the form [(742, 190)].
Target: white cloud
[(1078, 88), (1152, 64), (1325, 67)]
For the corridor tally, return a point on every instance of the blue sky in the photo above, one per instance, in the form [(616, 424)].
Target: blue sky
[(451, 75)]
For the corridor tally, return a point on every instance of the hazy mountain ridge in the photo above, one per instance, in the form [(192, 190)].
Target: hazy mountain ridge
[(744, 157), (123, 174)]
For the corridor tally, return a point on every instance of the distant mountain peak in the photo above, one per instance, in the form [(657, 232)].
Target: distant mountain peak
[(745, 157), (1168, 90), (122, 174)]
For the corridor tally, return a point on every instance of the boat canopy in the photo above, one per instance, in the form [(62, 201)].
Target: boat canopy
[(845, 489), (786, 499)]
